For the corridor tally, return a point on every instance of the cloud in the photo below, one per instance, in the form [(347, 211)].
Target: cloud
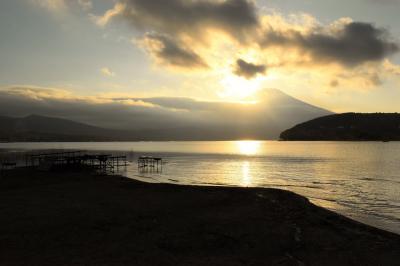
[(63, 5), (36, 92), (52, 5), (179, 103), (85, 4), (25, 100), (352, 44), (170, 52), (193, 22), (175, 32), (334, 83), (107, 72), (248, 70), (391, 68), (186, 16), (109, 15), (205, 35)]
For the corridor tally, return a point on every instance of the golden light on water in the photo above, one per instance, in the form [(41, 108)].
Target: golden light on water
[(248, 147), (246, 177)]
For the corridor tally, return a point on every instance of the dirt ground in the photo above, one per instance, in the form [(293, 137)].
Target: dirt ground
[(85, 219)]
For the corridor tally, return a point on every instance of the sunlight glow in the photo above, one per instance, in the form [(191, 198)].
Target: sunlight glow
[(248, 147), (238, 88)]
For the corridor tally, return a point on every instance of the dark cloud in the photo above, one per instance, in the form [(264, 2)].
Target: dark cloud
[(171, 52), (248, 70), (334, 83), (375, 79), (182, 24), (369, 79), (189, 16), (355, 44)]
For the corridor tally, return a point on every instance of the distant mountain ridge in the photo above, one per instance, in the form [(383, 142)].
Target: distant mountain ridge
[(162, 118), (347, 127), (42, 128)]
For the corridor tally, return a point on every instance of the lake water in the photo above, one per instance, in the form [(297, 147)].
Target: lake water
[(358, 179)]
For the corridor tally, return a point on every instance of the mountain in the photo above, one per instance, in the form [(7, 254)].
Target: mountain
[(286, 110), (41, 128), (204, 120), (348, 126), (161, 118)]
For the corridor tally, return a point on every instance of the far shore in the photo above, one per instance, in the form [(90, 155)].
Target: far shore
[(81, 218)]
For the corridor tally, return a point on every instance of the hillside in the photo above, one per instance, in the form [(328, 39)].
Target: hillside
[(348, 126), (41, 128)]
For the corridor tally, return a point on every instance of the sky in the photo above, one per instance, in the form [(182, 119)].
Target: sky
[(340, 55)]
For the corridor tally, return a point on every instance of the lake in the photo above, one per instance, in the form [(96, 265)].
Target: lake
[(358, 179)]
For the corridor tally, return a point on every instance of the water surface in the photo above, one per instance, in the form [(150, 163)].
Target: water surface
[(358, 179)]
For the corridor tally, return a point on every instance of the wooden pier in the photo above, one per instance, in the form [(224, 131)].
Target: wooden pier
[(149, 163), (7, 165), (75, 159)]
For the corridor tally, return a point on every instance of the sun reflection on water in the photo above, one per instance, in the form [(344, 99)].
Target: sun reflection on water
[(248, 147), (246, 176)]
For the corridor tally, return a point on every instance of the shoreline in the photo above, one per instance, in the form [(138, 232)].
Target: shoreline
[(84, 219), (227, 140)]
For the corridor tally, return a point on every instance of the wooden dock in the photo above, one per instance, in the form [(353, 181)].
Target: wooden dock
[(8, 165), (150, 163), (75, 159)]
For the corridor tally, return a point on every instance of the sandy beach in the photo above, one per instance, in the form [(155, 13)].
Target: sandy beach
[(86, 219)]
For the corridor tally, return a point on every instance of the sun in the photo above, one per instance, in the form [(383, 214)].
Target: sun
[(248, 147), (238, 88)]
